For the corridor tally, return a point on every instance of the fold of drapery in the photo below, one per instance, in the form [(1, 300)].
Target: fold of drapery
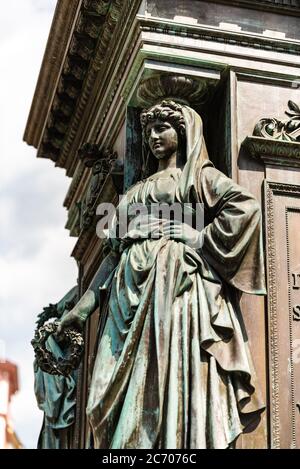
[(164, 350), (173, 368), (56, 397), (232, 238)]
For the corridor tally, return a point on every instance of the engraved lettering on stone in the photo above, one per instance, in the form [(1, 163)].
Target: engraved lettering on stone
[(296, 313), (296, 281)]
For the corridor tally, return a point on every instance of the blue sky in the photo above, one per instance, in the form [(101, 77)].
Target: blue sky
[(35, 263)]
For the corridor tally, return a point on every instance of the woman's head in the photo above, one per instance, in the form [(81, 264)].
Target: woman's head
[(163, 129), (162, 139)]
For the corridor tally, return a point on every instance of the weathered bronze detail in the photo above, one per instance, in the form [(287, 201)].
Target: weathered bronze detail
[(287, 130), (183, 89), (45, 359), (73, 339), (102, 163), (172, 337), (55, 392), (272, 151), (48, 312)]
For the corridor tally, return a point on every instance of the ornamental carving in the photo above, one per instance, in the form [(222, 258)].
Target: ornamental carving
[(272, 151), (287, 130), (101, 162), (185, 90), (87, 33)]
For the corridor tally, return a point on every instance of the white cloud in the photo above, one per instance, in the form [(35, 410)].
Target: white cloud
[(35, 263)]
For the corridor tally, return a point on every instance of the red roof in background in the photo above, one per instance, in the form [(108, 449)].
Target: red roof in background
[(12, 370)]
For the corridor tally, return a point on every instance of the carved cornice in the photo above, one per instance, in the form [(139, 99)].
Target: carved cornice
[(196, 32), (102, 72), (90, 33), (240, 39), (92, 43), (280, 6), (105, 38), (115, 76), (61, 28), (275, 152)]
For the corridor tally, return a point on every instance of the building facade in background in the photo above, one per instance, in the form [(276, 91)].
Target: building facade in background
[(8, 387), (245, 58)]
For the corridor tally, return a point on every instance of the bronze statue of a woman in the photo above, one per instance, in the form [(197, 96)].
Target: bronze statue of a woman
[(173, 368)]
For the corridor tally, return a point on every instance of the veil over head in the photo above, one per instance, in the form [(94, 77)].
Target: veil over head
[(196, 157)]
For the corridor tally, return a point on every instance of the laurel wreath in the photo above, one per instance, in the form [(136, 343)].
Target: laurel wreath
[(47, 361)]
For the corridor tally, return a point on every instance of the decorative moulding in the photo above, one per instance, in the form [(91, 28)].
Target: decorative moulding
[(288, 129), (282, 6), (101, 162), (58, 40), (180, 88), (92, 31), (275, 152), (275, 141), (92, 37)]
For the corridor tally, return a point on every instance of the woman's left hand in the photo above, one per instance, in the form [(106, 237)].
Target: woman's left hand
[(174, 229)]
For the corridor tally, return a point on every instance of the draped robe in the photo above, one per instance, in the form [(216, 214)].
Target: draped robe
[(173, 367), (56, 394)]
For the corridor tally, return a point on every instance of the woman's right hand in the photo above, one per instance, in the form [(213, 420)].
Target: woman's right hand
[(71, 320)]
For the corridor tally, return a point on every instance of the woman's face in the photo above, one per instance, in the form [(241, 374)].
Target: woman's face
[(162, 139)]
